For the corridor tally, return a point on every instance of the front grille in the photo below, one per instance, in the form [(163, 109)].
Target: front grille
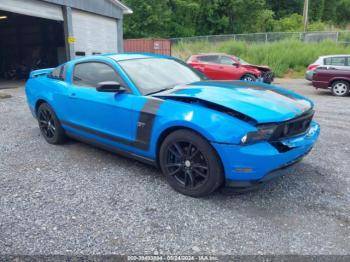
[(268, 76), (293, 127)]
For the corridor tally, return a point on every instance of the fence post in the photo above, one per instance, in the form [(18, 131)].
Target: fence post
[(266, 40), (337, 37)]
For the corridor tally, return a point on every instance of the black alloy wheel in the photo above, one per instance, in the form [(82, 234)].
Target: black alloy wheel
[(49, 125), (46, 123), (187, 164), (190, 164)]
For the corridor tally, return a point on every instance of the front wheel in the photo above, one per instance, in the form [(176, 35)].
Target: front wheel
[(248, 77), (190, 164), (340, 88)]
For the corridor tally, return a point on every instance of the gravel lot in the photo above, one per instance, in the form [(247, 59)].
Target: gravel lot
[(76, 199)]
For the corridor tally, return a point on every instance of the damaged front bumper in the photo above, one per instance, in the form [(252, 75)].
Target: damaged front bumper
[(253, 165)]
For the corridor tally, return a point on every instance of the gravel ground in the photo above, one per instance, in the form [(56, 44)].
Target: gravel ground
[(76, 199)]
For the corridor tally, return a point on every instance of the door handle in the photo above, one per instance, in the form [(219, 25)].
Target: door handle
[(73, 95)]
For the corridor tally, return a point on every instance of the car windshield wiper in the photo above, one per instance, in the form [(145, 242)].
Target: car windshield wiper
[(158, 91)]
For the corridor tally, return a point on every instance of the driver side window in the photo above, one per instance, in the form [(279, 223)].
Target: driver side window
[(225, 60), (90, 74)]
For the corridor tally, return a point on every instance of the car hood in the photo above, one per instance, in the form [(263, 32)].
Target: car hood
[(264, 103), (259, 67)]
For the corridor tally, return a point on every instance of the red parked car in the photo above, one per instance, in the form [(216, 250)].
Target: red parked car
[(338, 80), (228, 67)]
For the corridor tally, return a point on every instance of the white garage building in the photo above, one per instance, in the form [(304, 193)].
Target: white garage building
[(45, 33)]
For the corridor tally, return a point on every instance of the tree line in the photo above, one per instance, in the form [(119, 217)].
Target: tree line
[(182, 18)]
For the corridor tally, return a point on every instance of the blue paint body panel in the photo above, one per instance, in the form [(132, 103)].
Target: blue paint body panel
[(114, 119)]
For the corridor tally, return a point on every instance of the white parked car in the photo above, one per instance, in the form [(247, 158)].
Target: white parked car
[(333, 61)]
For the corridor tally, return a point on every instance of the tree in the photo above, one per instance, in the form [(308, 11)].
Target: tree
[(329, 10), (316, 10), (292, 23), (150, 18), (210, 18), (343, 11), (283, 8), (265, 21), (181, 18)]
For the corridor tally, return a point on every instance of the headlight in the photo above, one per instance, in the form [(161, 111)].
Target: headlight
[(263, 133)]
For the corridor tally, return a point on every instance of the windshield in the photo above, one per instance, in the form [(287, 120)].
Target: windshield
[(242, 61), (152, 75)]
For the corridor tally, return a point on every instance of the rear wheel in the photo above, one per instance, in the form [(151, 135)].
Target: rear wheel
[(190, 164), (249, 77), (340, 88), (50, 126)]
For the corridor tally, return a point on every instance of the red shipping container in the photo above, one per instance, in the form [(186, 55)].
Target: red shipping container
[(147, 45)]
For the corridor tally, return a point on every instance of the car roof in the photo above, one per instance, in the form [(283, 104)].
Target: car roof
[(119, 57), (326, 56), (134, 55), (203, 54)]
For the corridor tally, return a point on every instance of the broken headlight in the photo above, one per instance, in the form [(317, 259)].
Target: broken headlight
[(262, 134)]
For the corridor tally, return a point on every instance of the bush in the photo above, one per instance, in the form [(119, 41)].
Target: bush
[(291, 23), (283, 57), (317, 26)]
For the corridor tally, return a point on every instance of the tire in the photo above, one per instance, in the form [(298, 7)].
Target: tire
[(340, 88), (248, 77), (50, 126), (190, 164)]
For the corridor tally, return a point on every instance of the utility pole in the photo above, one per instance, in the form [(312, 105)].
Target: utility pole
[(306, 14)]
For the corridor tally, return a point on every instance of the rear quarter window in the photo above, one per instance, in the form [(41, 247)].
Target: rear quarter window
[(336, 61), (213, 59), (59, 73)]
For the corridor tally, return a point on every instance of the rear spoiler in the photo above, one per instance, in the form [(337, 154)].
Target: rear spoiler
[(41, 72)]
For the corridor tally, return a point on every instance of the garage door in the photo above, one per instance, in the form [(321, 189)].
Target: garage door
[(33, 8), (94, 33)]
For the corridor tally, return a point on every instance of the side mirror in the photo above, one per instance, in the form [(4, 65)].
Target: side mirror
[(236, 64), (110, 86)]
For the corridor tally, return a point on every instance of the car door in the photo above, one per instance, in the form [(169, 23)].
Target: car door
[(227, 69), (231, 68), (210, 66), (109, 116)]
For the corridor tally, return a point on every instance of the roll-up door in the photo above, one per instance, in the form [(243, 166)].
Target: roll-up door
[(94, 33), (33, 8)]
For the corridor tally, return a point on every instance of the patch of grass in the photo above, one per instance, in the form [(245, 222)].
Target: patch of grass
[(283, 57)]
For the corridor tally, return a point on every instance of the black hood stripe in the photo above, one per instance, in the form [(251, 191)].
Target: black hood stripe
[(296, 101), (252, 85)]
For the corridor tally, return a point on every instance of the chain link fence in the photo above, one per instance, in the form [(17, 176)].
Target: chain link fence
[(341, 37)]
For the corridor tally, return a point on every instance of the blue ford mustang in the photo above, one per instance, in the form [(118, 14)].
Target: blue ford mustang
[(202, 134)]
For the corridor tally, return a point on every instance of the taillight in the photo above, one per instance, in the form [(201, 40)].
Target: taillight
[(312, 67)]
